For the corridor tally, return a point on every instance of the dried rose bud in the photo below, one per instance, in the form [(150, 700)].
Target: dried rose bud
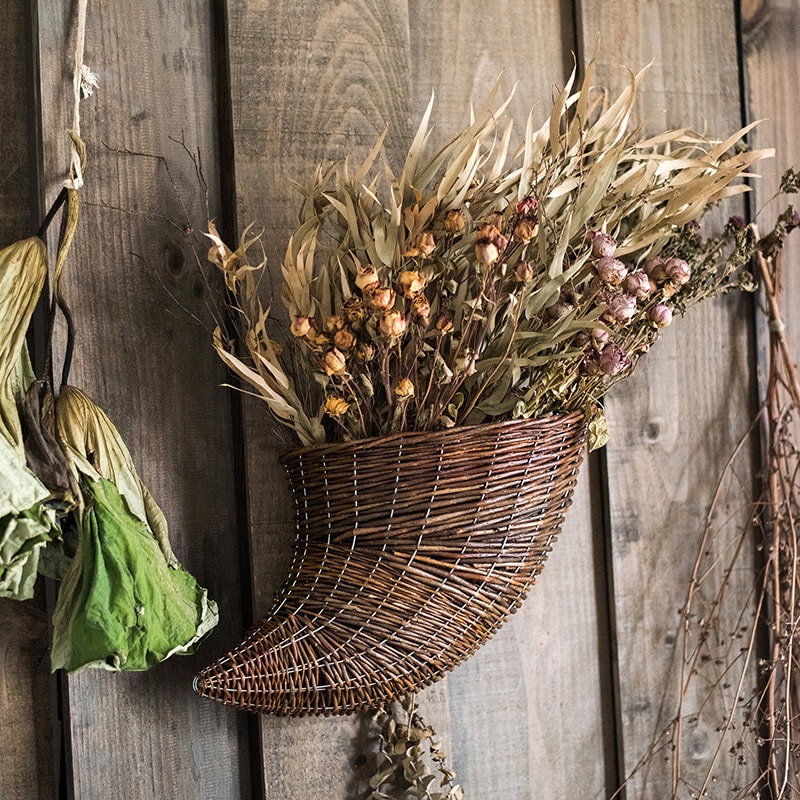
[(660, 315), (364, 352), (526, 208), (654, 267), (559, 309), (381, 298), (367, 276), (486, 252), (336, 406), (524, 271), (422, 245), (600, 334), (638, 284), (613, 360), (353, 309), (404, 389), (334, 323), (444, 323), (489, 232), (678, 271), (455, 221), (611, 270), (334, 362), (393, 324), (525, 230), (622, 307), (345, 339), (301, 326), (591, 362), (410, 282), (421, 309), (603, 245)]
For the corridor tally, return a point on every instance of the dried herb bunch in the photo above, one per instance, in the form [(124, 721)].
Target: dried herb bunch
[(485, 282), (410, 761)]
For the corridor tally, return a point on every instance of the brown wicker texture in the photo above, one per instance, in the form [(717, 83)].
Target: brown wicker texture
[(411, 551)]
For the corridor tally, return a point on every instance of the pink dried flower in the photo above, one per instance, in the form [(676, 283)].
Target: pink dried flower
[(345, 339), (526, 208), (486, 252), (334, 362), (603, 244), (525, 230), (381, 298), (524, 271), (638, 284), (421, 309), (393, 324), (660, 315), (613, 360), (600, 334), (621, 308), (611, 270), (655, 268), (678, 271)]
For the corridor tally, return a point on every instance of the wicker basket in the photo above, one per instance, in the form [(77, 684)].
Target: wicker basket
[(411, 551)]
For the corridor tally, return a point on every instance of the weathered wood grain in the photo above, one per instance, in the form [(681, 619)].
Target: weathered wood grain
[(148, 363), (25, 701), (674, 425), (338, 74)]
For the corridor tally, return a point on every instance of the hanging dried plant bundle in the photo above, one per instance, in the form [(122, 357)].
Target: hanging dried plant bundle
[(482, 282)]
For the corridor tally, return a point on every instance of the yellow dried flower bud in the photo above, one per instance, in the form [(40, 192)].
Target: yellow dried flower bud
[(404, 389), (444, 324), (411, 282), (336, 406), (364, 352), (455, 221), (525, 230), (421, 309)]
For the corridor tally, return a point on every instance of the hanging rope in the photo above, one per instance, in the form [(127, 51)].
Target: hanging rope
[(83, 83)]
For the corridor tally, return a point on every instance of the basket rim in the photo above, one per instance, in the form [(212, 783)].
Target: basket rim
[(441, 433)]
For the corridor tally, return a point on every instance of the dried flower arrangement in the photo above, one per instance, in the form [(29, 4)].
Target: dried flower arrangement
[(483, 287), (486, 283)]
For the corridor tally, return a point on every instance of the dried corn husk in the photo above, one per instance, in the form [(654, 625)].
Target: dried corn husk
[(27, 523), (125, 602)]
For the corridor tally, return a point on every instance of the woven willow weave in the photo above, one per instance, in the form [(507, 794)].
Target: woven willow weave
[(411, 551)]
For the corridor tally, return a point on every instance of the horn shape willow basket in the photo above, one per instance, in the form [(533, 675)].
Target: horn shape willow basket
[(411, 551)]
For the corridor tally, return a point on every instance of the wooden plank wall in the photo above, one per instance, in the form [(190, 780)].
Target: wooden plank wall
[(568, 697)]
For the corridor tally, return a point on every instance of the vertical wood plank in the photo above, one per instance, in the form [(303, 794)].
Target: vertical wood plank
[(25, 707), (317, 82), (149, 365), (535, 696), (310, 82), (675, 423)]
